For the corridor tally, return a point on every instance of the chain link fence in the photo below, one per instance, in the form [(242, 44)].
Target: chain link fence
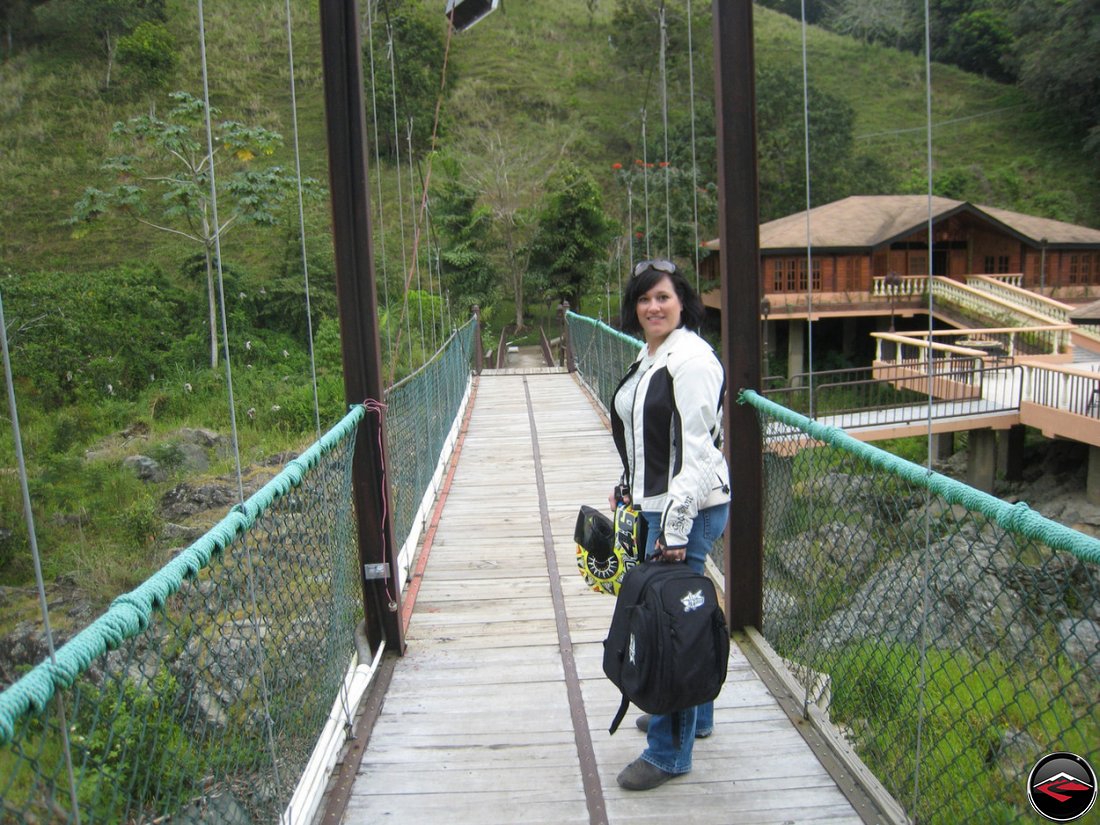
[(951, 638), (200, 695), (187, 697), (420, 411)]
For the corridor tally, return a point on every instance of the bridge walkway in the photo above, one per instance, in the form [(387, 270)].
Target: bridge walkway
[(499, 711)]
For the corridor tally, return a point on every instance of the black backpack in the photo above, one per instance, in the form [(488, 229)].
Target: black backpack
[(668, 645)]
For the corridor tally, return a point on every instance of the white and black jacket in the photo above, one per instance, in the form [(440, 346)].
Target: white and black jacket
[(673, 461)]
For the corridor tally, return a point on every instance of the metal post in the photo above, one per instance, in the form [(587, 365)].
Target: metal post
[(893, 282), (479, 353), (765, 311), (358, 308), (738, 234), (1043, 266)]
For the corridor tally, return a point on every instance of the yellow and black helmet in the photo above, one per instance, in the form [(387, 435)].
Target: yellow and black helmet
[(606, 549)]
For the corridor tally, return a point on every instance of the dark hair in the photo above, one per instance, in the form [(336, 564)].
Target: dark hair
[(693, 310)]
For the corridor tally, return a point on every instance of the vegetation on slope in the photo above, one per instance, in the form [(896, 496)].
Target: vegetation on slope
[(544, 101)]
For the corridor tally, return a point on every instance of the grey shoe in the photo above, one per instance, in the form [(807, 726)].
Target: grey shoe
[(642, 722), (640, 775)]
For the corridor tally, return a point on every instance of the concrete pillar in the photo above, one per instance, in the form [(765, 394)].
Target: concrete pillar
[(981, 462), (1010, 453), (1092, 480), (796, 347), (943, 446)]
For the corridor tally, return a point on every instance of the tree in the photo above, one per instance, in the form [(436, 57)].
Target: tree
[(1058, 60), (16, 23), (72, 21), (465, 227), (889, 22), (571, 235), (165, 183), (509, 171), (835, 169), (148, 54), (407, 44), (979, 41)]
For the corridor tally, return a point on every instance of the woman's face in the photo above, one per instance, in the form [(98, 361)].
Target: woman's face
[(659, 312)]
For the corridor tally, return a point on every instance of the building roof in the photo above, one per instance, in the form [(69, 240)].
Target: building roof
[(869, 221), (1087, 314)]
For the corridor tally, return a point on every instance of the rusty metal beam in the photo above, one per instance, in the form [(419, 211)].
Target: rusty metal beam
[(358, 308), (738, 234)]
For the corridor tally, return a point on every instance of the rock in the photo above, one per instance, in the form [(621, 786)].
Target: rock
[(145, 468), (207, 439), (186, 500), (1081, 640), (1013, 753), (194, 458)]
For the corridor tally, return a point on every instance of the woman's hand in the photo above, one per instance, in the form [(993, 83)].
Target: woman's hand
[(669, 554), (618, 497)]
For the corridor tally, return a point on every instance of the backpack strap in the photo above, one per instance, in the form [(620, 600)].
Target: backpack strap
[(623, 705)]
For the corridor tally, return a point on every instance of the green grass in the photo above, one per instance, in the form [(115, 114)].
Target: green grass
[(966, 706)]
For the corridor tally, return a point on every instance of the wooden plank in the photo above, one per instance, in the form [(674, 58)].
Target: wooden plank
[(476, 725)]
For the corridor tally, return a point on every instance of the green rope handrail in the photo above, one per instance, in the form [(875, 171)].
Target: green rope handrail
[(622, 336), (129, 614), (1018, 518)]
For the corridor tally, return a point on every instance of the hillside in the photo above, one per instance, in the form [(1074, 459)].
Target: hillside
[(535, 83)]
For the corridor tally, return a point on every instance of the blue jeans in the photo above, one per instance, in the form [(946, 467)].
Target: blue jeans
[(671, 737)]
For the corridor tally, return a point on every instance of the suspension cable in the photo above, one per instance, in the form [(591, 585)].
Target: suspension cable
[(302, 216), (926, 554), (428, 175), (378, 178), (664, 120), (270, 734), (694, 163), (645, 179), (809, 201), (32, 538), (345, 703), (415, 219), (390, 48)]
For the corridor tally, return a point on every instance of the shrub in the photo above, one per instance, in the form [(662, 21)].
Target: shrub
[(94, 335)]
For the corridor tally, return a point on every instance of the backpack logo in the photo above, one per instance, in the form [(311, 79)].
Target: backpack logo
[(692, 601), (630, 652)]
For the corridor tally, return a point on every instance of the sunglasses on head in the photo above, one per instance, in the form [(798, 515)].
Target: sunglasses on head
[(660, 265)]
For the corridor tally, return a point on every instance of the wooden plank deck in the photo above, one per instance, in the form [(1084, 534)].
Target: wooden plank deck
[(479, 724)]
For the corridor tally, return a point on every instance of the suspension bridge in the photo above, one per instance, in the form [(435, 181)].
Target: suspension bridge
[(394, 626)]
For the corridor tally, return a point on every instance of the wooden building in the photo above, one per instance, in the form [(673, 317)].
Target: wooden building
[(863, 237)]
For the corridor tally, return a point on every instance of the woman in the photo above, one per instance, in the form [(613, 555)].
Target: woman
[(665, 418)]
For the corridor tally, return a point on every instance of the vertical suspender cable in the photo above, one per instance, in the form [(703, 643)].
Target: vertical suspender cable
[(302, 216), (305, 274), (417, 229), (431, 153), (218, 246), (380, 212), (925, 557), (28, 514), (229, 383), (809, 271), (694, 164), (809, 237), (432, 320), (630, 222), (645, 179), (400, 200), (664, 123)]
